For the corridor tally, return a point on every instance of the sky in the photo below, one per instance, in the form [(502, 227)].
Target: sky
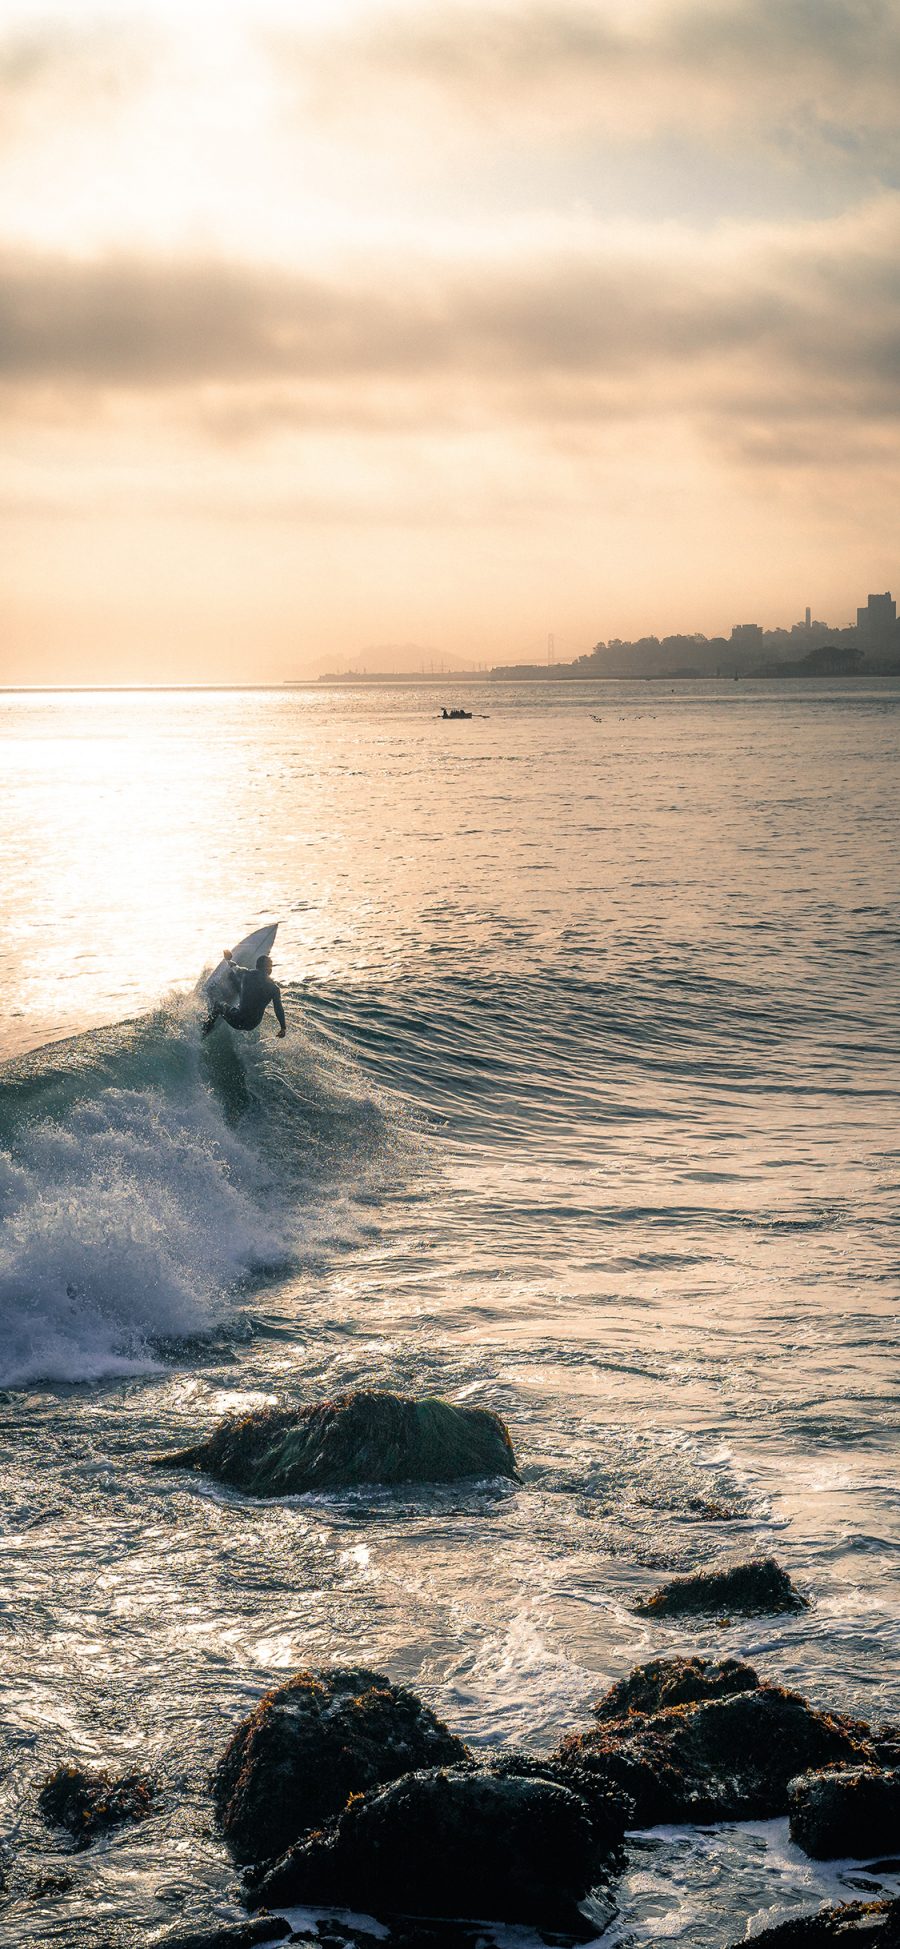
[(331, 325)]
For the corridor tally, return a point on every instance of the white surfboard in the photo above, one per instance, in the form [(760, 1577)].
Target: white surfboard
[(222, 986)]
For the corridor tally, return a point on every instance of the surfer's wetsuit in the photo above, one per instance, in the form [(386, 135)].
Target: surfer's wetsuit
[(257, 991)]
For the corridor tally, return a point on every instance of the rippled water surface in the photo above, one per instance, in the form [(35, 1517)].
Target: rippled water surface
[(588, 1112)]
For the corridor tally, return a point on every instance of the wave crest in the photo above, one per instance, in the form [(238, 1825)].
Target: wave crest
[(126, 1214)]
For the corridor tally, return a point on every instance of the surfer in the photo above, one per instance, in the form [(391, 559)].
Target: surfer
[(257, 990)]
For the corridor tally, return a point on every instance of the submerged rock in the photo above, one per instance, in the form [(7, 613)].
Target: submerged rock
[(728, 1756), (675, 1681), (849, 1811), (88, 1804), (757, 1585), (310, 1744), (456, 1842), (357, 1438), (852, 1925)]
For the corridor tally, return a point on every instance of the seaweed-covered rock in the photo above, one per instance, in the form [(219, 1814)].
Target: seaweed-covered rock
[(886, 1741), (675, 1681), (848, 1811), (611, 1811), (722, 1758), (357, 1438), (455, 1842), (760, 1585), (87, 1804), (852, 1925), (307, 1746)]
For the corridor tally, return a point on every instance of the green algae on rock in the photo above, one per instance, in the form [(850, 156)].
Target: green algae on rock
[(357, 1438), (758, 1586), (308, 1745)]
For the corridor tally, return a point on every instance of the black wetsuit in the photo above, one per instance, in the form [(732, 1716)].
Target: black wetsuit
[(257, 991)]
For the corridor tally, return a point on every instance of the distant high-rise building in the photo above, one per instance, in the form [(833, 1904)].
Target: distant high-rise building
[(747, 636), (808, 617), (878, 619)]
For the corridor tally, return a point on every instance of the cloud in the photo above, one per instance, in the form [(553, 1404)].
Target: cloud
[(54, 72), (754, 328), (828, 65)]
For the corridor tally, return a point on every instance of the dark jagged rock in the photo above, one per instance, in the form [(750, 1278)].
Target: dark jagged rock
[(849, 1811), (455, 1842), (235, 1935), (357, 1438), (853, 1925), (675, 1681), (886, 1741), (309, 1745), (725, 1757), (759, 1585), (88, 1804), (44, 1887), (611, 1812)]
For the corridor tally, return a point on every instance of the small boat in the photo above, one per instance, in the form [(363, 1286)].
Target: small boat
[(447, 716)]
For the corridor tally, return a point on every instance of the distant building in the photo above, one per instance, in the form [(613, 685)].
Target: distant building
[(877, 621), (747, 636)]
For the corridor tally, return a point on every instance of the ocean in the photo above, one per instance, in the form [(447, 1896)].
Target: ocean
[(587, 1113)]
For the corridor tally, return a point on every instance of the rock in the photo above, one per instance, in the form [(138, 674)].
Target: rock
[(44, 1887), (853, 1925), (236, 1935), (611, 1812), (728, 1756), (88, 1804), (675, 1681), (758, 1585), (310, 1744), (357, 1438), (886, 1741), (849, 1811), (455, 1842)]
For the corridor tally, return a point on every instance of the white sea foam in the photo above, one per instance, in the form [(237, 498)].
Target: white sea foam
[(123, 1225)]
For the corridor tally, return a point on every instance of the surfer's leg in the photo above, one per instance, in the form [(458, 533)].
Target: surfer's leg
[(212, 1018)]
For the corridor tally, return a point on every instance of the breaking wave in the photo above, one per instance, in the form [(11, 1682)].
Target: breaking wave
[(145, 1174)]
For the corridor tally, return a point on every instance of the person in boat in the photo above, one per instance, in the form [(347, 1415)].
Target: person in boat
[(256, 991)]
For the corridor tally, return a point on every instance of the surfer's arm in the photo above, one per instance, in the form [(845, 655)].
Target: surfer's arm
[(278, 1006)]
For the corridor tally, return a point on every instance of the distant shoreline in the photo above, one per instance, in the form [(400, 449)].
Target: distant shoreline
[(395, 682)]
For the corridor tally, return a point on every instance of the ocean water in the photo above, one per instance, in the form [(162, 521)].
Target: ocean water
[(587, 1113)]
